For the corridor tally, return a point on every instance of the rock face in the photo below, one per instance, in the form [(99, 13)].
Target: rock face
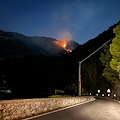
[(19, 109)]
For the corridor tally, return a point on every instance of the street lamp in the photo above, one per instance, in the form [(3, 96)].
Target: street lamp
[(102, 95), (108, 91), (115, 95), (79, 81), (96, 94), (98, 91)]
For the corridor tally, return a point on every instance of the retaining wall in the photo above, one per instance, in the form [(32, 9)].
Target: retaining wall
[(18, 109)]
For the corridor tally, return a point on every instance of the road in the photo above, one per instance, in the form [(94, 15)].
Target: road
[(96, 110)]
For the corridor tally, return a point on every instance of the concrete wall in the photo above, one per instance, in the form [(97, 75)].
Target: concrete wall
[(14, 109)]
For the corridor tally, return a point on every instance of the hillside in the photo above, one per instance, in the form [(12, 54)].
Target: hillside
[(92, 69), (43, 45), (36, 77), (39, 46), (21, 57)]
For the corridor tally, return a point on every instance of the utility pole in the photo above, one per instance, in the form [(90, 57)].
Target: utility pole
[(79, 84), (80, 62)]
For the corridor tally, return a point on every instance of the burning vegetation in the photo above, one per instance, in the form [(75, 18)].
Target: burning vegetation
[(63, 44)]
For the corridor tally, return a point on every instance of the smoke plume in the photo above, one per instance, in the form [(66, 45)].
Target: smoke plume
[(65, 36)]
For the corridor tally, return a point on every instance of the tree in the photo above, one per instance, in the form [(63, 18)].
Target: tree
[(115, 51), (109, 73)]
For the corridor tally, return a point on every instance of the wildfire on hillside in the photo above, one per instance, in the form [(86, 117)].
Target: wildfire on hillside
[(63, 44)]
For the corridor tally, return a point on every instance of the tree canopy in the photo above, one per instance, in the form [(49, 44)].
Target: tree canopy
[(115, 51), (109, 73)]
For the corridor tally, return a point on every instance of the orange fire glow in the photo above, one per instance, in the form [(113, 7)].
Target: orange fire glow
[(63, 44)]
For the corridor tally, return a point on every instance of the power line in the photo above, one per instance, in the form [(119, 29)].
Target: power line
[(79, 82), (96, 51)]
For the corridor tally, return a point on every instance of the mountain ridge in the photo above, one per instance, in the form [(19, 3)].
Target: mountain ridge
[(40, 77), (43, 46)]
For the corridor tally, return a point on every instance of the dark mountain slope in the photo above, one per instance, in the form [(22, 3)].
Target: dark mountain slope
[(95, 43), (27, 65), (50, 47), (47, 45), (36, 77), (91, 68), (11, 48), (43, 45)]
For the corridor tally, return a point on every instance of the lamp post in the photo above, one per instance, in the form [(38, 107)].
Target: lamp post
[(98, 91), (115, 96), (108, 91), (102, 95), (79, 80)]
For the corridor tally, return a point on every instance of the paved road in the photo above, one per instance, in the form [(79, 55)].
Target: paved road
[(95, 110)]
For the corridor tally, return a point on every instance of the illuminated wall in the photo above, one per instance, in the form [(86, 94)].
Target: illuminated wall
[(13, 109)]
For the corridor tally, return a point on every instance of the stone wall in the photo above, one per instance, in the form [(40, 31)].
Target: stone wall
[(18, 109)]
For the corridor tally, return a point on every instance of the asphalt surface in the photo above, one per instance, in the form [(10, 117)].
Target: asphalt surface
[(96, 110)]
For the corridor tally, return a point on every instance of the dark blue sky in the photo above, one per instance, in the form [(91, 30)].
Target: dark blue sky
[(81, 20)]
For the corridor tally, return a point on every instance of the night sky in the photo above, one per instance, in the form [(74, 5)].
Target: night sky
[(79, 20)]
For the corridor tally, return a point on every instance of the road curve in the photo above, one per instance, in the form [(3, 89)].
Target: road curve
[(96, 110)]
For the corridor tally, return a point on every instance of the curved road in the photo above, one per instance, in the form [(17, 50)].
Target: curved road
[(96, 110)]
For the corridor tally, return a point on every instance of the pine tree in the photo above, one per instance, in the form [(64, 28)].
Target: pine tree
[(109, 73), (115, 51)]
